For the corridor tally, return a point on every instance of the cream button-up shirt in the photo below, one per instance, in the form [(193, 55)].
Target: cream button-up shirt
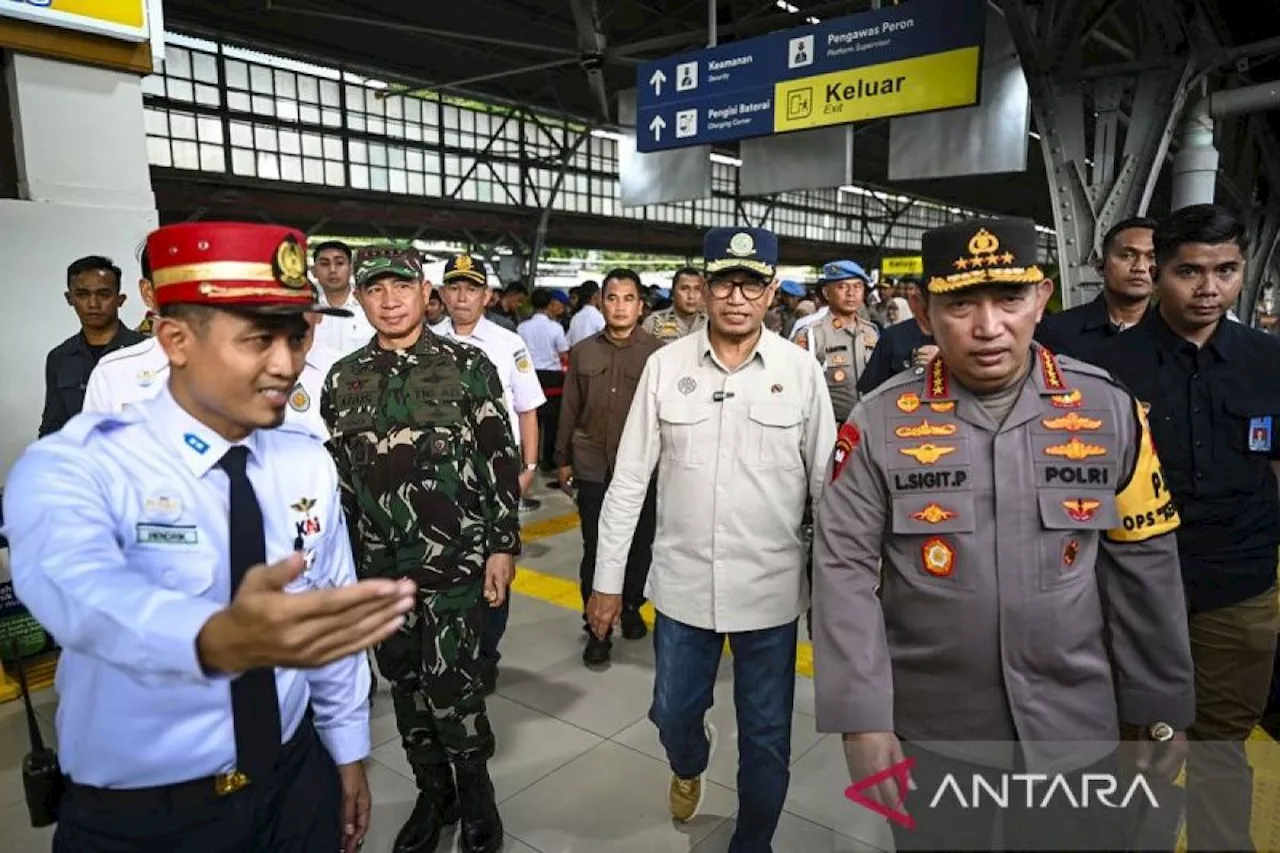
[(737, 453)]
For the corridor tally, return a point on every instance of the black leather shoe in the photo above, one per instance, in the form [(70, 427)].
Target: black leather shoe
[(633, 627), (597, 651), (436, 808), (481, 830)]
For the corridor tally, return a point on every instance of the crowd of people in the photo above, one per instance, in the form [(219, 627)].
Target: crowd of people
[(1034, 540)]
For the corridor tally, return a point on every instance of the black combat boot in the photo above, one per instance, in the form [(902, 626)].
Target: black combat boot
[(481, 830), (436, 808)]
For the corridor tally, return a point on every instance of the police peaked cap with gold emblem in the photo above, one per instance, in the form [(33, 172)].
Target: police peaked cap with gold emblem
[(235, 265), (373, 261), (467, 268), (980, 251), (751, 249)]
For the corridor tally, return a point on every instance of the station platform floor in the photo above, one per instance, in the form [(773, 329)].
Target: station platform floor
[(578, 765)]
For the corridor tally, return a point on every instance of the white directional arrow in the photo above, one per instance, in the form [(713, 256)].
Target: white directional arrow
[(657, 126), (657, 80)]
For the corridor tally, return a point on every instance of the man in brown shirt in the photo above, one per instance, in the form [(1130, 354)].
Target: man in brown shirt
[(604, 371)]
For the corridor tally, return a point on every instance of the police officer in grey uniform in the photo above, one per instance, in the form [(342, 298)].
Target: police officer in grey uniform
[(842, 342), (686, 313), (996, 584)]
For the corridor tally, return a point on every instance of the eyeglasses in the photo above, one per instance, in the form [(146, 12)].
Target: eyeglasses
[(752, 288)]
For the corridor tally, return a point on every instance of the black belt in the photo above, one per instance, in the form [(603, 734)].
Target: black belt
[(188, 795)]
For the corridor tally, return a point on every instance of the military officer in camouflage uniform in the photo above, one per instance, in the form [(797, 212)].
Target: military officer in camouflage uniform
[(997, 585), (428, 471), (843, 340), (686, 314)]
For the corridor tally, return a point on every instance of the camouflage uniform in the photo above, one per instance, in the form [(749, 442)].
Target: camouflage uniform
[(428, 471)]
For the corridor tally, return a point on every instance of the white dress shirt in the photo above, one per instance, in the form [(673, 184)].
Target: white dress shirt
[(546, 341), (584, 324), (521, 390), (141, 371), (118, 528), (344, 335), (737, 453)]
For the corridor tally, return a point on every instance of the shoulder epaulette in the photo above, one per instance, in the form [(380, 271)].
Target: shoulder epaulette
[(131, 351), (83, 426)]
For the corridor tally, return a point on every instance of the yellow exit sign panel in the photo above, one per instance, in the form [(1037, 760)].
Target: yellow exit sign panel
[(935, 82), (123, 19), (902, 266)]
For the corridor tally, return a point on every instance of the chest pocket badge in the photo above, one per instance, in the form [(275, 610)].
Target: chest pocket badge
[(299, 399)]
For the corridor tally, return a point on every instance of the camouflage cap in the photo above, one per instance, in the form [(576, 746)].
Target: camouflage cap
[(373, 261)]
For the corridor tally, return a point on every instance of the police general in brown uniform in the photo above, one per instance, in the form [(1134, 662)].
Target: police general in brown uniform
[(996, 583)]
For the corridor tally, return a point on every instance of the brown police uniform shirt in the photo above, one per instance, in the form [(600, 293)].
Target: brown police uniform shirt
[(1005, 582), (598, 388)]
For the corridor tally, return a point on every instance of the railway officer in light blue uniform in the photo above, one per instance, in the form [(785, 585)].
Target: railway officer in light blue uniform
[(191, 557)]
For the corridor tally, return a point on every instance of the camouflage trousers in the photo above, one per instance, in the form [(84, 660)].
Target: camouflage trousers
[(433, 664)]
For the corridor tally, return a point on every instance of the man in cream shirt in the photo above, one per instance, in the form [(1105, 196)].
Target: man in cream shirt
[(738, 423)]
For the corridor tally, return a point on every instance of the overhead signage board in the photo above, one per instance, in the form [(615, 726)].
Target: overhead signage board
[(921, 56), (118, 19)]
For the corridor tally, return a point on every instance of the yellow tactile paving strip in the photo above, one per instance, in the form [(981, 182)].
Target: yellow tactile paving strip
[(1263, 754), (564, 592)]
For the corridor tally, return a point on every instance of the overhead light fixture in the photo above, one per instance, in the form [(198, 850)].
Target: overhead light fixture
[(607, 134), (726, 160), (786, 7)]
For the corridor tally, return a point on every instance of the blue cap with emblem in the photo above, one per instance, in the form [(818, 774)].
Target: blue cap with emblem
[(793, 288), (751, 249), (841, 270)]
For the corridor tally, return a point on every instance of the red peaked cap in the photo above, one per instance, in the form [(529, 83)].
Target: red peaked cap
[(237, 265)]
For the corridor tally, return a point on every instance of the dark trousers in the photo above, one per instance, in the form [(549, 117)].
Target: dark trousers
[(495, 625), (964, 816), (590, 501), (764, 685), (552, 382), (1234, 649), (296, 810)]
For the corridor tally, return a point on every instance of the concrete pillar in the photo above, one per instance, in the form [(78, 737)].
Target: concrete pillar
[(85, 188)]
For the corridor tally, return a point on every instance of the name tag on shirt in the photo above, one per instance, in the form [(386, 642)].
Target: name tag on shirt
[(1260, 434), (168, 535)]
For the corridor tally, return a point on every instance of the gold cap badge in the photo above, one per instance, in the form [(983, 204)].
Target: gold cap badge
[(290, 265)]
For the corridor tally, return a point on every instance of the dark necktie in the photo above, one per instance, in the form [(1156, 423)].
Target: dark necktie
[(255, 707)]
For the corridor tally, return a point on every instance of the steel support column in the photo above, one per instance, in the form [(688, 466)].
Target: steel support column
[(1092, 190), (544, 219)]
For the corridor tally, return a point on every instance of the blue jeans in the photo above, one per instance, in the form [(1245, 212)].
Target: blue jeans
[(495, 625), (764, 686)]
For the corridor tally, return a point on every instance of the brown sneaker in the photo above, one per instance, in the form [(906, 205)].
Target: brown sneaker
[(686, 794)]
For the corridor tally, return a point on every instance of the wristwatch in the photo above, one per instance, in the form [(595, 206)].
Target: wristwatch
[(531, 466), (1160, 732)]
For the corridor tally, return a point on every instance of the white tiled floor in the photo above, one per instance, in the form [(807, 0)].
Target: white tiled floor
[(578, 767)]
